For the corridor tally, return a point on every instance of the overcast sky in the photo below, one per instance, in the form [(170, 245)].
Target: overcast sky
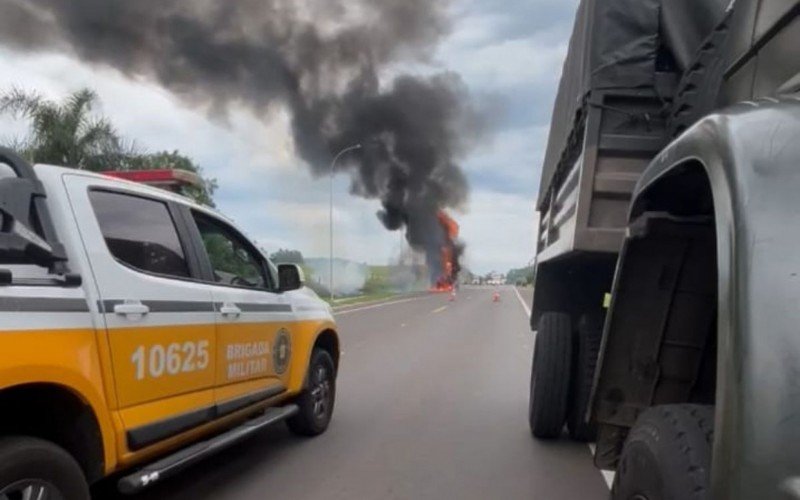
[(509, 56)]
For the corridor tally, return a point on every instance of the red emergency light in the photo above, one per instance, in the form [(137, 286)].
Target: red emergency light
[(165, 178)]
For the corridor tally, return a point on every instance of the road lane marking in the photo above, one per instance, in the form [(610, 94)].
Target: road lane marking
[(439, 310), (375, 306), (608, 476), (522, 301)]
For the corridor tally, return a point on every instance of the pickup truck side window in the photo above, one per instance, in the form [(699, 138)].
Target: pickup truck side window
[(140, 232), (233, 259)]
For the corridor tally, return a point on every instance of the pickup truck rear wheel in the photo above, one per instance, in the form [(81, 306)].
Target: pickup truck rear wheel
[(550, 376), (317, 399), (667, 455), (35, 468)]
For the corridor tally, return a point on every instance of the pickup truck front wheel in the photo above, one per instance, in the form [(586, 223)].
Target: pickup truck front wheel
[(37, 469), (317, 399)]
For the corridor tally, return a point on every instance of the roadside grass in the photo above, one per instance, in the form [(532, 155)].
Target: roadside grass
[(360, 299), (376, 288)]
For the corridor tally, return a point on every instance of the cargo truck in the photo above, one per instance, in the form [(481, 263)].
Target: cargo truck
[(667, 289)]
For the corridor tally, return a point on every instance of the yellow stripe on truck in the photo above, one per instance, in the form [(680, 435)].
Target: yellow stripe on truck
[(70, 358)]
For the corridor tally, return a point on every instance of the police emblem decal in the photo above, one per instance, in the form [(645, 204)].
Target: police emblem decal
[(282, 351)]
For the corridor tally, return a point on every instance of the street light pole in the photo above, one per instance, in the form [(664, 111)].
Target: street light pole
[(330, 211)]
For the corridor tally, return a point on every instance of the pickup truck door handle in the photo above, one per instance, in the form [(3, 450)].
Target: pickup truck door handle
[(230, 310), (131, 308)]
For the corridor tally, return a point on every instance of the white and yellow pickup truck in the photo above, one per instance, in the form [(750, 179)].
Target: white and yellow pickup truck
[(141, 332)]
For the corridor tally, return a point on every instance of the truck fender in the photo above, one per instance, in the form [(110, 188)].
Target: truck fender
[(751, 155), (322, 334), (74, 384)]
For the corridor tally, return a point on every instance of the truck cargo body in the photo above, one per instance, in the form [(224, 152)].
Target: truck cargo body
[(607, 124), (583, 219), (588, 211), (628, 88)]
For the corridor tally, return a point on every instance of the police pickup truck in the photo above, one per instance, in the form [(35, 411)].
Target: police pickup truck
[(141, 332)]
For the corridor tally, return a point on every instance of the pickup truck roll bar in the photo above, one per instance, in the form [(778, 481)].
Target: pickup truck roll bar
[(23, 210)]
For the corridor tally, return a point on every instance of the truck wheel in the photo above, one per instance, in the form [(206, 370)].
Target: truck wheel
[(316, 401), (34, 468), (550, 376), (587, 347), (667, 455)]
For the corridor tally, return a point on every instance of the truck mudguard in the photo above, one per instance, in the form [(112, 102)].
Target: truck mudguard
[(751, 154)]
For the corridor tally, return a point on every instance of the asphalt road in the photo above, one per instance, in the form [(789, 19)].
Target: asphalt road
[(431, 404)]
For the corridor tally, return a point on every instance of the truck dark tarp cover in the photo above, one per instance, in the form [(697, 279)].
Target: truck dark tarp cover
[(613, 46)]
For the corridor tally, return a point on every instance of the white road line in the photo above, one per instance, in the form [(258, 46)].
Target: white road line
[(439, 310), (608, 476), (522, 301), (375, 306)]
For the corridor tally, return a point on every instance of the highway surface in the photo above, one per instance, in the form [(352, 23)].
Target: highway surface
[(432, 404)]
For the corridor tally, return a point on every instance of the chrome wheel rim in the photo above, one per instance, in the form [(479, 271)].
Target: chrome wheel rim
[(30, 489)]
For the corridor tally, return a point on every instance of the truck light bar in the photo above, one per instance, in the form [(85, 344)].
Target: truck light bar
[(166, 178)]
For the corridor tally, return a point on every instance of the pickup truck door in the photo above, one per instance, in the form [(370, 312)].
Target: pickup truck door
[(254, 323), (159, 320)]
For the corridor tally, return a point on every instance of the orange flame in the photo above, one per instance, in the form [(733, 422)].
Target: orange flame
[(446, 281), (449, 225)]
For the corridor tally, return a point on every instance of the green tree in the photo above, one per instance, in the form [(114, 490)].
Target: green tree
[(63, 133), (69, 133), (522, 276)]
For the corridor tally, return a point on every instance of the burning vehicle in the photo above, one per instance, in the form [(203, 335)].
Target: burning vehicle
[(450, 252)]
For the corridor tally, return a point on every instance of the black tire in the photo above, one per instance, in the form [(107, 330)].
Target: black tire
[(667, 455), (699, 87), (587, 348), (313, 419), (27, 462), (550, 376)]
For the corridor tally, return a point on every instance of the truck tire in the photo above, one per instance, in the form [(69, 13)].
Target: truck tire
[(317, 399), (699, 86), (550, 376), (587, 348), (34, 467), (667, 455)]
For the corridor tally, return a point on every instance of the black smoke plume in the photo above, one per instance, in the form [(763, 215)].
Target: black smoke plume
[(325, 60)]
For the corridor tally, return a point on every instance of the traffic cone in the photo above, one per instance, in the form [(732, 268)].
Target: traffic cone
[(496, 297)]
